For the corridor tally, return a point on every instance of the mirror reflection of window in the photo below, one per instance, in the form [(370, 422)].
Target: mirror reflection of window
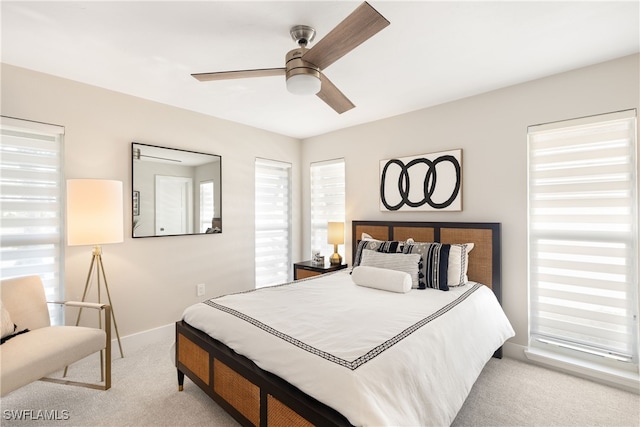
[(207, 212)]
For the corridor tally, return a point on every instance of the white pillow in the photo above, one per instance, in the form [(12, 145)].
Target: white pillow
[(408, 263), (366, 236), (7, 325), (382, 278), (458, 264)]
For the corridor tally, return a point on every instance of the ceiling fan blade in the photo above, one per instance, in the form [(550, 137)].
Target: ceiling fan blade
[(360, 25), (332, 96), (240, 74), (161, 158)]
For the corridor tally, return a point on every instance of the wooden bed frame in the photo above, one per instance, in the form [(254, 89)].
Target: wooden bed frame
[(255, 397)]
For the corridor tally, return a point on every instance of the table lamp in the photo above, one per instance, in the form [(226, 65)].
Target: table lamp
[(94, 217), (335, 233)]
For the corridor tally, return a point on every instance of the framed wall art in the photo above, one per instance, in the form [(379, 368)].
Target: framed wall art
[(426, 182)]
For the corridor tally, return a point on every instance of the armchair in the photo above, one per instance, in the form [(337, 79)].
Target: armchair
[(36, 349)]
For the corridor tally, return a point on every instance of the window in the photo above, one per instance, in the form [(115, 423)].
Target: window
[(583, 238), (327, 201), (273, 222), (30, 183), (206, 206)]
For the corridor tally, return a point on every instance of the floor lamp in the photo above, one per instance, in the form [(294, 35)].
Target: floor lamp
[(94, 217)]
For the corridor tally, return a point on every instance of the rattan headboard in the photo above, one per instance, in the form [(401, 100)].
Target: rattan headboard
[(484, 259)]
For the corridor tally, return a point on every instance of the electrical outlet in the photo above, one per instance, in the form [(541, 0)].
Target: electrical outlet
[(200, 289)]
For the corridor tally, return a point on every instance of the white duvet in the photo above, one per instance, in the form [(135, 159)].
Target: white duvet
[(379, 358)]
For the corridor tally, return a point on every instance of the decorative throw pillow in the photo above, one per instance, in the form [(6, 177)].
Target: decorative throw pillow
[(376, 245), (382, 278), (459, 264), (8, 327), (407, 263), (433, 266)]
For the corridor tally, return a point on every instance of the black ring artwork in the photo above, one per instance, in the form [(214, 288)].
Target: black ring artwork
[(429, 183)]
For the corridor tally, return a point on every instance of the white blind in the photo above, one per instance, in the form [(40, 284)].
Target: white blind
[(327, 201), (206, 206), (273, 222), (31, 196), (583, 235)]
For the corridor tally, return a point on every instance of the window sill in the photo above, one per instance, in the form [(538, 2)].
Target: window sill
[(626, 380)]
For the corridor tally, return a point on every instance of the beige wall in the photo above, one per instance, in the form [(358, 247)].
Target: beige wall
[(491, 130), (153, 279)]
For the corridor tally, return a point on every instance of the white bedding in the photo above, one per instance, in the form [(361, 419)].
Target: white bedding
[(377, 357)]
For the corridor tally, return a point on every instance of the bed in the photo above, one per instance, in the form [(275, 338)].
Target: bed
[(320, 369)]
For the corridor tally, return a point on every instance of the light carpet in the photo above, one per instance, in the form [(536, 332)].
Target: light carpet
[(144, 393)]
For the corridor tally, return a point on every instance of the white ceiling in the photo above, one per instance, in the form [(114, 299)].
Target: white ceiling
[(432, 52)]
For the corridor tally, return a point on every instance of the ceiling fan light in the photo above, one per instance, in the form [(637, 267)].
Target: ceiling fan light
[(303, 84)]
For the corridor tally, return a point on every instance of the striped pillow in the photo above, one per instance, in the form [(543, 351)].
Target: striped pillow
[(459, 264), (409, 263), (443, 265), (434, 266), (378, 246)]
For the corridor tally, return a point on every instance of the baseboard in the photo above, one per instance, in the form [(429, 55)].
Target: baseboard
[(514, 351), (623, 380), (134, 342)]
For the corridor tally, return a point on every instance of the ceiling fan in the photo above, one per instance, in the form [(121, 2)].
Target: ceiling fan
[(137, 155), (303, 68)]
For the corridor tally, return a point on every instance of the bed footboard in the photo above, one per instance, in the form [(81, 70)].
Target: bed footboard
[(252, 396)]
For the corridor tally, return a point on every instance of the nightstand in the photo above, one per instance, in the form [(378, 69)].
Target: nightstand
[(304, 269)]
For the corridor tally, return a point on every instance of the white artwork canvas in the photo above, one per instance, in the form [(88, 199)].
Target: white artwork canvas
[(427, 182)]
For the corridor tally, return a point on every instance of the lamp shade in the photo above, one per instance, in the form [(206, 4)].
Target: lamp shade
[(335, 233), (94, 212)]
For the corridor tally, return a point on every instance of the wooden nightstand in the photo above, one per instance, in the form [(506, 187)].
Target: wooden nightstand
[(304, 269)]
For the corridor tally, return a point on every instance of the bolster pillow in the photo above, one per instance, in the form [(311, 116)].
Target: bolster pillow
[(382, 278)]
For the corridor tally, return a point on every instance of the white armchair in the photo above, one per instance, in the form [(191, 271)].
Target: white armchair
[(45, 349)]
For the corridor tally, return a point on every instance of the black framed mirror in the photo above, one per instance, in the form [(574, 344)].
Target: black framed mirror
[(175, 192)]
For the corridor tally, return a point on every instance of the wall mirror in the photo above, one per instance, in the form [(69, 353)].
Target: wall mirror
[(175, 192)]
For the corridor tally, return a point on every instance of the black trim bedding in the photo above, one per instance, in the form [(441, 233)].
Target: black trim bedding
[(257, 392), (360, 360), (380, 341)]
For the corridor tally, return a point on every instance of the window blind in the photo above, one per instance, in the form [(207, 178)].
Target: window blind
[(206, 205), (31, 196), (583, 237), (272, 222), (327, 201)]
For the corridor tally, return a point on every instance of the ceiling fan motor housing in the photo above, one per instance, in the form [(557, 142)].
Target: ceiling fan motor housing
[(303, 78), (302, 34)]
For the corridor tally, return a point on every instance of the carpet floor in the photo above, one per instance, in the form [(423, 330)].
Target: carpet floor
[(144, 393)]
